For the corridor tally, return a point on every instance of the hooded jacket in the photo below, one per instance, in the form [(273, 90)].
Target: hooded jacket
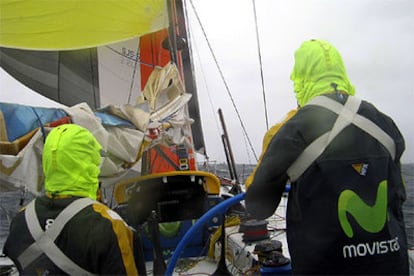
[(96, 238), (318, 65), (71, 162), (344, 213)]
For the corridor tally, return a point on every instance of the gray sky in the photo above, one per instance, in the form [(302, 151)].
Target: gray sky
[(375, 38)]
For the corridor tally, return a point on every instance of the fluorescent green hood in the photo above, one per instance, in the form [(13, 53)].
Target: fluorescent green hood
[(317, 65), (71, 161)]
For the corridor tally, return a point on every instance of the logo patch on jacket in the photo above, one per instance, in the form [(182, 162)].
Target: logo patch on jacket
[(361, 168), (371, 218)]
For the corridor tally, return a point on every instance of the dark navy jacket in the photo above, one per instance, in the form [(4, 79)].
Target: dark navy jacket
[(96, 239), (345, 211)]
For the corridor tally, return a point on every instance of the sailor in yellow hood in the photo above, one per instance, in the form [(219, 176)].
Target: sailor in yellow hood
[(318, 69), (71, 161), (67, 231), (319, 149)]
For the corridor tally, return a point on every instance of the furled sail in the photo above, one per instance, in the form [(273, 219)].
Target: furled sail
[(124, 131), (156, 50)]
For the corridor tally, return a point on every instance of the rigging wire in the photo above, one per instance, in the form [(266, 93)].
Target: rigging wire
[(136, 64), (224, 81), (249, 158), (260, 61), (213, 110)]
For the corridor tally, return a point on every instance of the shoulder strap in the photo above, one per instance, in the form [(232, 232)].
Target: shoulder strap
[(44, 240), (347, 114)]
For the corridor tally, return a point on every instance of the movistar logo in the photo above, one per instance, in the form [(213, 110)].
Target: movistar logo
[(370, 218)]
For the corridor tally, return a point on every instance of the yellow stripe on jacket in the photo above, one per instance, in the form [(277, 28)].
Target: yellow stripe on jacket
[(266, 140), (124, 235)]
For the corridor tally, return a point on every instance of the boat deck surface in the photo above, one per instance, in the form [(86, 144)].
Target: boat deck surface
[(240, 256)]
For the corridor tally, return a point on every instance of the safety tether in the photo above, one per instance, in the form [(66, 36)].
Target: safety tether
[(44, 240), (347, 114)]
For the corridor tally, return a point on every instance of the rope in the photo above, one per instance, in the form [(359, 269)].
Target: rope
[(207, 88), (131, 86), (224, 81), (42, 129)]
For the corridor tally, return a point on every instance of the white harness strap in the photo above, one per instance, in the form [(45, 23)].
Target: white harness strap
[(44, 240), (347, 114)]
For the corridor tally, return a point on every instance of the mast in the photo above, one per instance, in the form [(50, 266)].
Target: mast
[(189, 75), (229, 155), (172, 37), (159, 49)]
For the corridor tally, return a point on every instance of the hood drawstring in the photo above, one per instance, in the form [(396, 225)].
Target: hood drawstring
[(338, 94)]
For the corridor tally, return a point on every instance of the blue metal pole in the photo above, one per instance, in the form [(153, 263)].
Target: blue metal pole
[(219, 208)]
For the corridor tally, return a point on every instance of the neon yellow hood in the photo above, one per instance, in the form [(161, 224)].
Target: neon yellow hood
[(71, 161), (317, 65)]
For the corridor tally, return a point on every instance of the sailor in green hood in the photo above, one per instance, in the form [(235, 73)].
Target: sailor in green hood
[(67, 231), (318, 70), (341, 157), (71, 162)]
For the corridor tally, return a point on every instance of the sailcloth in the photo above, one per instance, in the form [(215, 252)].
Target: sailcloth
[(99, 59), (121, 131), (77, 24)]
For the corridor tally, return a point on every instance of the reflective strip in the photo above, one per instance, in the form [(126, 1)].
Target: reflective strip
[(363, 123), (44, 240), (347, 114)]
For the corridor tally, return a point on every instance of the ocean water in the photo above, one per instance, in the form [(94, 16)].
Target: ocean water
[(408, 207), (11, 202)]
